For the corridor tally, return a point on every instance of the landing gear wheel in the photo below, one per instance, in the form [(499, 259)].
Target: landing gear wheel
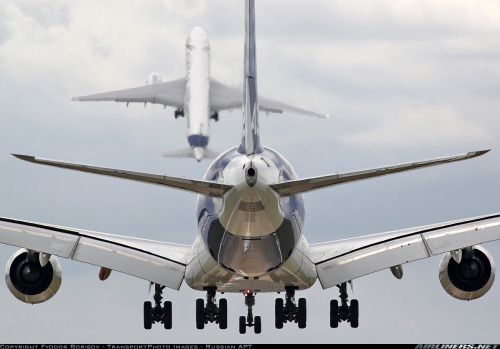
[(334, 313), (243, 325), (148, 315), (279, 316), (223, 314), (257, 325), (167, 315), (354, 313), (200, 313), (302, 313)]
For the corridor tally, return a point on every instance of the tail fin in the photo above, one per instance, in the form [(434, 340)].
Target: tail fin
[(250, 142)]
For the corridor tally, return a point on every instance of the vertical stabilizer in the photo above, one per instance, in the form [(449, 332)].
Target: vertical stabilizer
[(250, 142)]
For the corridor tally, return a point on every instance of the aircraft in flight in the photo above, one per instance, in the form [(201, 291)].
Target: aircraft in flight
[(197, 97), (250, 214)]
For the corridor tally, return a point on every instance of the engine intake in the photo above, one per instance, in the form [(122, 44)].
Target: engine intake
[(469, 279), (28, 281)]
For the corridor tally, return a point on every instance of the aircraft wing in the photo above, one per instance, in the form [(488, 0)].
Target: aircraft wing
[(223, 97), (192, 185), (344, 260), (160, 262), (298, 186), (170, 93)]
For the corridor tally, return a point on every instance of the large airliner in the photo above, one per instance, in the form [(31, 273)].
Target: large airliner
[(250, 214), (196, 97)]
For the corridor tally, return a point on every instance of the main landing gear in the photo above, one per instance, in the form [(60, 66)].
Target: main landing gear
[(249, 320), (344, 312), (211, 312), (290, 312), (158, 313)]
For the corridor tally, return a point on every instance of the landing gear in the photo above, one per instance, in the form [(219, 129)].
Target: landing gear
[(344, 312), (215, 116), (290, 312), (179, 112), (211, 312), (250, 320), (158, 313)]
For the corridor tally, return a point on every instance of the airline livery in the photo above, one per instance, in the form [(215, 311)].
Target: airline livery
[(250, 213), (197, 98)]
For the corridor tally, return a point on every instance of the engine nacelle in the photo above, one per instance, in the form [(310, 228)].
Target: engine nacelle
[(469, 279), (28, 281), (153, 78)]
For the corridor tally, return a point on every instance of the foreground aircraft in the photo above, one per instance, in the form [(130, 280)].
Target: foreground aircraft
[(250, 213), (196, 97)]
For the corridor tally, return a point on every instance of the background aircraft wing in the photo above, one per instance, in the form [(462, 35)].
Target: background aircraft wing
[(344, 260), (223, 97), (160, 262), (170, 93), (303, 185)]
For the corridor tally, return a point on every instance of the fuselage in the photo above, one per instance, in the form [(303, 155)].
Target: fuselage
[(196, 97), (250, 238)]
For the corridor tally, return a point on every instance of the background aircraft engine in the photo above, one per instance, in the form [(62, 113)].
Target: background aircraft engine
[(28, 281), (153, 78), (469, 279)]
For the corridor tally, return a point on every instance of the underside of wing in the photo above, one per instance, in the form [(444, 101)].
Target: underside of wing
[(170, 93), (223, 97), (344, 260), (298, 186), (192, 185), (160, 262)]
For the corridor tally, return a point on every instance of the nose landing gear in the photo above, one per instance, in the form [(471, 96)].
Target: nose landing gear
[(250, 320)]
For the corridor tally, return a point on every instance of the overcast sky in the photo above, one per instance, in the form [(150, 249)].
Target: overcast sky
[(403, 80)]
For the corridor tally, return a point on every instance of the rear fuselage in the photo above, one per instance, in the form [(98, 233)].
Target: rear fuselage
[(250, 238)]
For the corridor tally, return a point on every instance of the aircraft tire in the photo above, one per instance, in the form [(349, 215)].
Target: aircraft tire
[(148, 315), (167, 315), (243, 325), (257, 325), (279, 316), (334, 313), (302, 313), (223, 314), (200, 313), (354, 313)]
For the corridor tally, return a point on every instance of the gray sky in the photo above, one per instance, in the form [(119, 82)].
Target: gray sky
[(403, 81)]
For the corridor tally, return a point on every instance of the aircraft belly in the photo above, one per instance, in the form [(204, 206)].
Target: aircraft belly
[(204, 271)]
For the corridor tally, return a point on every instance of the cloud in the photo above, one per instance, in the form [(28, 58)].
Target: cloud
[(426, 126)]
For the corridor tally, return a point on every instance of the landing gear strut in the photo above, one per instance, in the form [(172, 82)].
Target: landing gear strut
[(158, 313), (211, 312), (249, 320), (290, 312), (344, 312)]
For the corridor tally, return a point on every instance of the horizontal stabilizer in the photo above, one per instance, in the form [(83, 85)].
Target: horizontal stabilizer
[(189, 153), (303, 185), (192, 185)]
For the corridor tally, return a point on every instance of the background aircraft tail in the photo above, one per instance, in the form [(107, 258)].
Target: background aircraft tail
[(250, 142)]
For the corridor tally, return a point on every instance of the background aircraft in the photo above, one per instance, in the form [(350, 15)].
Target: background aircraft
[(196, 97), (407, 102)]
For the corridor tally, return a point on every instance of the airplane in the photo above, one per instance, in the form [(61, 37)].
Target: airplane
[(197, 97), (250, 214)]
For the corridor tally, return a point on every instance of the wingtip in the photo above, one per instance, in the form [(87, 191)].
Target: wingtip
[(24, 157), (479, 152)]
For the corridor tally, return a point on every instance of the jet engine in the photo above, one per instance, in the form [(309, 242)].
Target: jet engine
[(153, 78), (33, 277), (468, 273)]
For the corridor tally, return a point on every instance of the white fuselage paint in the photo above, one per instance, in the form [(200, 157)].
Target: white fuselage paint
[(196, 97)]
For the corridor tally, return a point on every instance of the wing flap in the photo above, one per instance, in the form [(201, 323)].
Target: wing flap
[(344, 260), (160, 262), (294, 187), (192, 185)]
